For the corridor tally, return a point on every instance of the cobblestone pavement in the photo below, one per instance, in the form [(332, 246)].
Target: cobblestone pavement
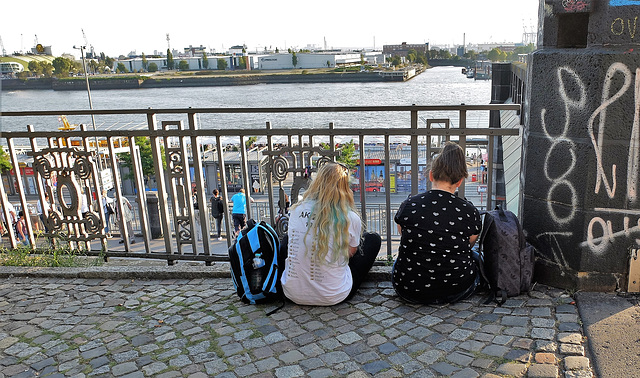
[(196, 328)]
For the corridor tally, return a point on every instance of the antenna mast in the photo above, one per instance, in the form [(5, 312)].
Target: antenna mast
[(168, 42)]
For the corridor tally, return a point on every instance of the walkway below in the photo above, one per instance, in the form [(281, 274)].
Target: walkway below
[(188, 323)]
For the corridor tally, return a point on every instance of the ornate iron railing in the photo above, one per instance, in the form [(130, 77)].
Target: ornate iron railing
[(73, 181)]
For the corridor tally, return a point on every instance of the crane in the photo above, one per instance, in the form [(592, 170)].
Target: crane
[(91, 54)]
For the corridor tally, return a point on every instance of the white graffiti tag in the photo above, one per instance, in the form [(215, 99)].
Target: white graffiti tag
[(601, 111), (562, 141)]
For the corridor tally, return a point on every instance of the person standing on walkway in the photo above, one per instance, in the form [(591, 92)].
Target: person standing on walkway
[(239, 212), (196, 214), (108, 208), (217, 211), (435, 263), (127, 217), (21, 229), (324, 256), (43, 210)]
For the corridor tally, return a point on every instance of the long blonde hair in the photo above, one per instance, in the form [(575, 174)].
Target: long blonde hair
[(330, 213)]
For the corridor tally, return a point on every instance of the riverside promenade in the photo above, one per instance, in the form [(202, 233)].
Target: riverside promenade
[(135, 318)]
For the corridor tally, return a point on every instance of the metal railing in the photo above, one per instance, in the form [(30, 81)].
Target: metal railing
[(70, 175)]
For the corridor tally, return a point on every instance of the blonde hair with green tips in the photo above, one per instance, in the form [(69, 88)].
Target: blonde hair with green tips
[(333, 199)]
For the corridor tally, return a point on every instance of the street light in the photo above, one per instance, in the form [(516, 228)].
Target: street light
[(93, 119)]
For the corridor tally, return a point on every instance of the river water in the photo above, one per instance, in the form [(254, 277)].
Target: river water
[(436, 86)]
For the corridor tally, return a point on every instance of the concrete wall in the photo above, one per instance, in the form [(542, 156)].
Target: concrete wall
[(582, 143)]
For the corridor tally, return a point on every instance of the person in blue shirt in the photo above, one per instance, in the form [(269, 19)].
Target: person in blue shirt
[(239, 213)]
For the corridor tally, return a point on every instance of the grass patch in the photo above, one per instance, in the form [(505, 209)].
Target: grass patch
[(54, 257)]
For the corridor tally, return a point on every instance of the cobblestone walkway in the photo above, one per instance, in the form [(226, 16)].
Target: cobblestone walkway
[(198, 328)]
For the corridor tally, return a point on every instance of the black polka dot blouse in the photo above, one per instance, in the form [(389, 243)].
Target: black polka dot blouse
[(434, 257)]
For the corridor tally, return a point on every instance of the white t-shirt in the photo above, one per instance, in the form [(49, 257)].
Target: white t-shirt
[(309, 283)]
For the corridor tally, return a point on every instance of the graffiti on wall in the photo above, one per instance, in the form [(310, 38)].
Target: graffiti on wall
[(620, 27), (601, 230), (575, 5)]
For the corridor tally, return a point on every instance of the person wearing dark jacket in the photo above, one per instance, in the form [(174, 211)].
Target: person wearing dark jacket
[(217, 211)]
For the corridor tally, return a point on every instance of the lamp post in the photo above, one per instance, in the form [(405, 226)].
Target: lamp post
[(93, 119)]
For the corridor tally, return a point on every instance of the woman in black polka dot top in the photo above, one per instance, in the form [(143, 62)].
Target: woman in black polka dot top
[(435, 263)]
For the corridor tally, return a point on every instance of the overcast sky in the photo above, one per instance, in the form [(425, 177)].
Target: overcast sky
[(117, 28)]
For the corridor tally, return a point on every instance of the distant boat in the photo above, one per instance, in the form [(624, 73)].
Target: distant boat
[(470, 73)]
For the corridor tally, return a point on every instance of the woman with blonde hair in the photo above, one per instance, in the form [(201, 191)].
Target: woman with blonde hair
[(325, 259)]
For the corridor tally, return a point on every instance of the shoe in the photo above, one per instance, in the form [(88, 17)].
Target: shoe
[(133, 242), (219, 237), (121, 241)]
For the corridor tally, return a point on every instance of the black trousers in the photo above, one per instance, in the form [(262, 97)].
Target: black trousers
[(360, 263)]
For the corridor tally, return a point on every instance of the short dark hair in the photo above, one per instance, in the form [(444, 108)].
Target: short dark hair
[(215, 192), (450, 165)]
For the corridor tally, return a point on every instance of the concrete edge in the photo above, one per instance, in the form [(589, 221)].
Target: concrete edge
[(148, 273)]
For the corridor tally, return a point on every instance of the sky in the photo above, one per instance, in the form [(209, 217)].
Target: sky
[(117, 28)]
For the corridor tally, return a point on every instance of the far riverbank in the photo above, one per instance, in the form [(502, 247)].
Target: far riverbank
[(228, 79)]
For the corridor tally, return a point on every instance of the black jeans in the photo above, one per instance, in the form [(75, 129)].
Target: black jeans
[(360, 263), (218, 224)]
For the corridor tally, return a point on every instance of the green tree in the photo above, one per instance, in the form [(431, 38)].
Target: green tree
[(396, 60), (412, 55), (347, 154), (294, 58), (496, 55), (153, 67), (222, 64), (277, 51), (5, 161), (242, 62), (183, 65), (250, 141), (108, 62), (62, 66), (47, 69), (471, 54), (92, 65), (205, 60), (146, 158), (170, 63), (34, 67), (121, 68), (145, 63), (328, 64)]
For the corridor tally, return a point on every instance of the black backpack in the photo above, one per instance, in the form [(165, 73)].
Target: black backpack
[(507, 260), (259, 283)]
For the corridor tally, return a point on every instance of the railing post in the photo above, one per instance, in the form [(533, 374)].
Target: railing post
[(39, 180), (160, 179), (462, 142), (136, 160), (363, 189), (201, 195), (387, 187), (20, 184), (414, 153), (272, 217), (490, 159), (223, 188), (245, 175)]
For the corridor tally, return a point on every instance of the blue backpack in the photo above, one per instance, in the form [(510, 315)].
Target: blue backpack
[(254, 264)]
